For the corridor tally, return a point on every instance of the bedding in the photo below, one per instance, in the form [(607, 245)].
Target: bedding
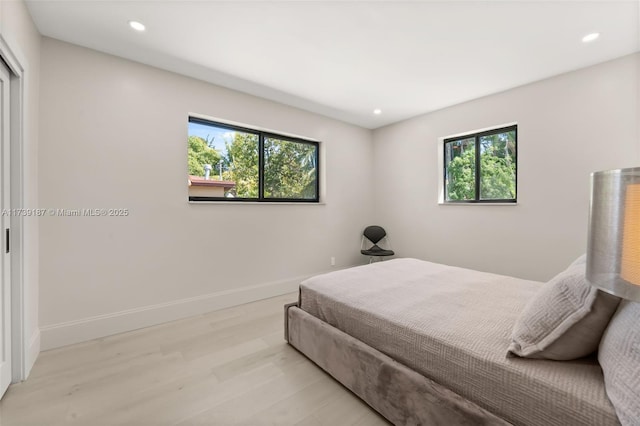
[(453, 326)]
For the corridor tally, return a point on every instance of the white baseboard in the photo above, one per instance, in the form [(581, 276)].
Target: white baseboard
[(33, 350), (67, 333)]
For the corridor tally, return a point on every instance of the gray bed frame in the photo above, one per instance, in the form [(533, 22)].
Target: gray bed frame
[(400, 394)]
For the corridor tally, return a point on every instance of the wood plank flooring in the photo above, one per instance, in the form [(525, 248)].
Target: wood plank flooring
[(229, 367)]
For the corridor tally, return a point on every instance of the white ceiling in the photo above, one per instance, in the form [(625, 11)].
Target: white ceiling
[(345, 58)]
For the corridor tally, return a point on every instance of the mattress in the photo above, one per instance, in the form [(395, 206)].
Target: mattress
[(453, 326)]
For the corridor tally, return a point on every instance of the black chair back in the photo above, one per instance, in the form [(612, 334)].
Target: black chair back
[(374, 233)]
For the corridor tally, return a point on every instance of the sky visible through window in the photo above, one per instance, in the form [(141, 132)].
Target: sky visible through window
[(208, 133)]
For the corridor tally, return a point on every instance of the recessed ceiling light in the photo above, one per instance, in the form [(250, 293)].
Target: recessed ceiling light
[(590, 37), (377, 111), (137, 25)]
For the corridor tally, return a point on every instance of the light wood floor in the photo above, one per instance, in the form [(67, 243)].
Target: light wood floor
[(230, 367)]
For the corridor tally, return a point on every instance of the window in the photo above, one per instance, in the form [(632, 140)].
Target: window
[(231, 163), (481, 167)]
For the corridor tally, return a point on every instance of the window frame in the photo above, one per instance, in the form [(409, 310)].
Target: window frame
[(262, 134), (476, 136)]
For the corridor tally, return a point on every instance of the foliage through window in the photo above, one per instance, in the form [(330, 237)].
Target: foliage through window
[(481, 167), (231, 163)]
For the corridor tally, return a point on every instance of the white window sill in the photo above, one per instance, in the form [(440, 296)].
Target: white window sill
[(442, 203), (256, 203)]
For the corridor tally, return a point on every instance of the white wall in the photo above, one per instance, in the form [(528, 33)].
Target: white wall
[(568, 127), (114, 135), (18, 31)]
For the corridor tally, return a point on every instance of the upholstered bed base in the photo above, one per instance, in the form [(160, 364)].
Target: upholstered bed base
[(400, 394)]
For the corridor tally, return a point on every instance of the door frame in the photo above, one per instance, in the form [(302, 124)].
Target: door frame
[(19, 349)]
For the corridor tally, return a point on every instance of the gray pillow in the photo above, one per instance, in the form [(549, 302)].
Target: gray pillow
[(565, 320), (619, 357)]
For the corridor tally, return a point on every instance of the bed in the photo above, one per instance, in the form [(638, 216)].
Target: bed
[(425, 343)]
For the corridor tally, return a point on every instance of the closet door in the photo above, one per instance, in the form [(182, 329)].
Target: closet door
[(5, 218)]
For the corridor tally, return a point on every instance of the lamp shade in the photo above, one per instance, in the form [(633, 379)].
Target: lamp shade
[(613, 252)]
